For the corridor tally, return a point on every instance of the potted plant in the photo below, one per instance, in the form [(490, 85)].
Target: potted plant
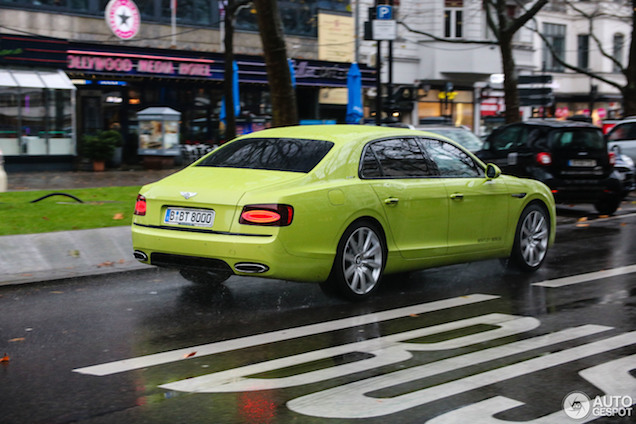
[(101, 147)]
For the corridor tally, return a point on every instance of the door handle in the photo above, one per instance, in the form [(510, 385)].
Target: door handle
[(391, 201), (457, 196)]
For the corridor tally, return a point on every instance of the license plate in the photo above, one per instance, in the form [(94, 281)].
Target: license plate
[(190, 217), (582, 162)]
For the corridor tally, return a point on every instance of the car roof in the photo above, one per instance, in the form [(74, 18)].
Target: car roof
[(338, 134), (627, 119), (440, 127), (557, 124)]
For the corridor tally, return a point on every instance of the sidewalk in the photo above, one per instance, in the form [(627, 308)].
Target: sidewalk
[(49, 256)]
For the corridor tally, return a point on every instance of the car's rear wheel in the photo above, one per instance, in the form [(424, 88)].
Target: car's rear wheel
[(205, 277), (608, 205), (359, 262), (531, 239)]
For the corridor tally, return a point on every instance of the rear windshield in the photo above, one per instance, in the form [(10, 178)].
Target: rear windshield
[(274, 154), (579, 139)]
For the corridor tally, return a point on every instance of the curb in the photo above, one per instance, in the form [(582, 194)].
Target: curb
[(41, 257)]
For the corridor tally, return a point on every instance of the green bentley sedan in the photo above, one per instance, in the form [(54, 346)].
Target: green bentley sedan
[(340, 205)]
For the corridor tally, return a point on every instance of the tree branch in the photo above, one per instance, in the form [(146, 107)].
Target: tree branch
[(446, 40), (528, 14)]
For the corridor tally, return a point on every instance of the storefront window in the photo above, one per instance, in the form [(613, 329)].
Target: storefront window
[(146, 7), (60, 123), (36, 121), (77, 5), (189, 11), (33, 122), (9, 106), (298, 17)]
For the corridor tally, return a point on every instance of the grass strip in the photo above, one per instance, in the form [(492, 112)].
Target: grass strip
[(102, 207)]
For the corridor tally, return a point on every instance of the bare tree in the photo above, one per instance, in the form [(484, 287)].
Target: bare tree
[(504, 26), (284, 109), (628, 90)]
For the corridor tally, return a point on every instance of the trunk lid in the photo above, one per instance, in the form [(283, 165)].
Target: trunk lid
[(209, 188)]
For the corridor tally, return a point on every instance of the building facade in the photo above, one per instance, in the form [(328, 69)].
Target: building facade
[(67, 72), (109, 79), (454, 77)]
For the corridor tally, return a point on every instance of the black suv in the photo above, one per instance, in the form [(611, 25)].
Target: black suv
[(569, 157)]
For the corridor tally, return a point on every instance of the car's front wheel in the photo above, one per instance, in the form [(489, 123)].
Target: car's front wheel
[(359, 262), (531, 239)]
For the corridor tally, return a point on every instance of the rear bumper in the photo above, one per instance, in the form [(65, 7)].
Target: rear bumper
[(584, 191), (197, 250)]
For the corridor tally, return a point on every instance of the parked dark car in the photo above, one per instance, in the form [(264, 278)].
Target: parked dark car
[(571, 158)]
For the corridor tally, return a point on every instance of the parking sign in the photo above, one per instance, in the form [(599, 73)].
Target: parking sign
[(384, 12)]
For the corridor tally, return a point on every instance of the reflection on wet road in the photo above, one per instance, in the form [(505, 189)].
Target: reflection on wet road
[(467, 343)]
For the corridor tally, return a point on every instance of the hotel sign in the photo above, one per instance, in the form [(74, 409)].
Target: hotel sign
[(139, 64)]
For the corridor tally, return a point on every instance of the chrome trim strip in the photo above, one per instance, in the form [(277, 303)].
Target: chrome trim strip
[(199, 230)]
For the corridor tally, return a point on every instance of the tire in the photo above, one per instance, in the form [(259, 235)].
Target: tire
[(608, 205), (531, 239), (359, 264), (204, 277)]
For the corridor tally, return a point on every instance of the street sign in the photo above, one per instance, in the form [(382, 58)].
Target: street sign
[(535, 92), (384, 30), (534, 79), (384, 12)]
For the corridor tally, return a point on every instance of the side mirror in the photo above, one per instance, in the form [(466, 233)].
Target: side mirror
[(492, 171)]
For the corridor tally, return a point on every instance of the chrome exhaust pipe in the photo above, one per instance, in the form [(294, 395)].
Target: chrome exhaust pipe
[(251, 268), (140, 256)]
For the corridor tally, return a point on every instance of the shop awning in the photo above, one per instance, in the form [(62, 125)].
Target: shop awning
[(35, 79)]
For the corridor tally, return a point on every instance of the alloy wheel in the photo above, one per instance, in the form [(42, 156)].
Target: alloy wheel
[(533, 238), (362, 260)]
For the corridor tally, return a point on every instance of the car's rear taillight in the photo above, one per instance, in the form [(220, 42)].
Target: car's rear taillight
[(274, 215), (544, 158), (612, 158), (140, 206)]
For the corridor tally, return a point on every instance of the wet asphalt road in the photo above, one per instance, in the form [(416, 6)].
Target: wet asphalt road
[(456, 344)]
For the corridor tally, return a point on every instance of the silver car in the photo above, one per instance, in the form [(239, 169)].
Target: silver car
[(622, 138)]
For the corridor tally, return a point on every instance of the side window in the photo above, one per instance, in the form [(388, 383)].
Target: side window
[(370, 167), (451, 161), (623, 132), (395, 158), (508, 138)]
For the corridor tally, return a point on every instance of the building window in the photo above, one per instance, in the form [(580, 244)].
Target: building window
[(453, 22), (555, 35), (583, 51), (619, 41)]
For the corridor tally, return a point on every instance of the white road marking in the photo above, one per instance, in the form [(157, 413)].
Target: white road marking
[(384, 351), (352, 400), (583, 278), (275, 336), (611, 378)]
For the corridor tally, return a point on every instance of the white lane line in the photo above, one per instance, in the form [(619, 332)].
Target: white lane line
[(275, 336), (582, 278)]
